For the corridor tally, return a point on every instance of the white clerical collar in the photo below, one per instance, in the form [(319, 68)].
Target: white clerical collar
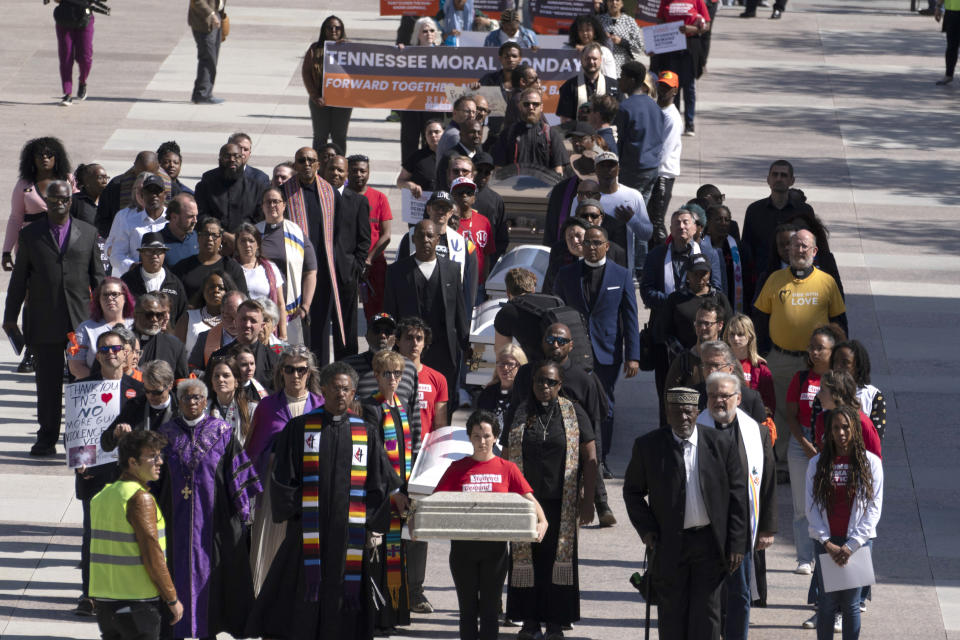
[(340, 188), (161, 406), (195, 421), (602, 261)]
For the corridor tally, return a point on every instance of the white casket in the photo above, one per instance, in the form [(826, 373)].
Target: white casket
[(474, 516)]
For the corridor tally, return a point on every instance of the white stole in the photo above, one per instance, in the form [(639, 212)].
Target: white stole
[(669, 284), (582, 97), (293, 248)]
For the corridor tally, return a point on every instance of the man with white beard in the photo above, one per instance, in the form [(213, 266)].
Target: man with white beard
[(756, 454)]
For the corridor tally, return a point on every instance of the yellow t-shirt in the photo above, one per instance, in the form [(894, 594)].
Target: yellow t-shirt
[(796, 307)]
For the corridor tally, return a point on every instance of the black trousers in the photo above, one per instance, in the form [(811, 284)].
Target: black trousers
[(329, 123), (437, 356), (208, 50), (657, 209), (661, 364), (951, 27), (49, 380), (751, 5), (323, 321), (129, 619), (479, 569), (705, 38), (689, 591)]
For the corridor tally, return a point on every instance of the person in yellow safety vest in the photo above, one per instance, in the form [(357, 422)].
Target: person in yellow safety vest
[(128, 569)]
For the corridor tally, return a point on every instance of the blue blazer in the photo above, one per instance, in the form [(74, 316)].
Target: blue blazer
[(614, 327), (652, 284)]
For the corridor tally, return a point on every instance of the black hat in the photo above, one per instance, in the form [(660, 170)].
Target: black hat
[(381, 318), (152, 240), (441, 197), (482, 157), (698, 262), (577, 129), (153, 180)]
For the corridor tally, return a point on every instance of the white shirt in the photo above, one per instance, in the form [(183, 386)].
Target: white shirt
[(257, 284), (128, 228), (672, 142), (694, 511), (426, 268), (152, 281)]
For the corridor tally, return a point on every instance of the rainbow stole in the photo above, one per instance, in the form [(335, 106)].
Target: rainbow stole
[(391, 444), (357, 510)]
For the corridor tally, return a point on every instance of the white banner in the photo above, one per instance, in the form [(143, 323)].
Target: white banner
[(90, 407), (412, 208), (664, 38)]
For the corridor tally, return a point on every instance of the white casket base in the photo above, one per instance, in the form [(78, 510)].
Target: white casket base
[(474, 516)]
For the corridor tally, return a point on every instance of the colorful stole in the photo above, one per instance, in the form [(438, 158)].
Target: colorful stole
[(391, 444), (298, 214), (737, 274), (521, 574), (356, 518)]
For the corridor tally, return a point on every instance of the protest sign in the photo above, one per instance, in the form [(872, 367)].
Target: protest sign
[(643, 11), (498, 106), (90, 407), (409, 7), (556, 16), (412, 208), (416, 78), (664, 38)]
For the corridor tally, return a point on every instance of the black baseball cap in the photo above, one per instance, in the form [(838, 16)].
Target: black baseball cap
[(698, 262), (441, 197)]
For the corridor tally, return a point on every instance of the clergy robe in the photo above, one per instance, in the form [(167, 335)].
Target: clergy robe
[(205, 494), (282, 609)]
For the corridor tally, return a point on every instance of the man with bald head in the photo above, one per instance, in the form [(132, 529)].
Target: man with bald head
[(428, 286), (227, 194), (793, 302), (118, 194)]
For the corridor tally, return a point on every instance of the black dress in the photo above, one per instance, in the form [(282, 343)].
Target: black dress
[(494, 399), (544, 454)]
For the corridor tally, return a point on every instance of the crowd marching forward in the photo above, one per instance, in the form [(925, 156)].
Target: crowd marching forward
[(263, 460)]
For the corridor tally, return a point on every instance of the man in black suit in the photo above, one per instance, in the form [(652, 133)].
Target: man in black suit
[(155, 407), (58, 264), (351, 245), (697, 519), (151, 275), (228, 194), (249, 322), (427, 286), (155, 343)]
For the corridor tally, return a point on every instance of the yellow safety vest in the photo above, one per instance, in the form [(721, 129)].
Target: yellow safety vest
[(116, 567)]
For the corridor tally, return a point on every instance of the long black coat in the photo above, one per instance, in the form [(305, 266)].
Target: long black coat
[(59, 284), (351, 239), (656, 471)]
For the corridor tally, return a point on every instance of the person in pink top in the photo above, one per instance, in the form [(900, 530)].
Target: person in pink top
[(479, 568), (375, 269)]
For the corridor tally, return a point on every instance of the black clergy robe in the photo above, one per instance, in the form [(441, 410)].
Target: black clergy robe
[(281, 609)]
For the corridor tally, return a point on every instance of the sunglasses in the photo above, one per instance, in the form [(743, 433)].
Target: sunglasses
[(548, 382), (153, 392), (396, 375), (290, 370), (153, 315), (110, 348), (557, 341)]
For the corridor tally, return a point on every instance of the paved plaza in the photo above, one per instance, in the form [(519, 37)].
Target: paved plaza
[(843, 89)]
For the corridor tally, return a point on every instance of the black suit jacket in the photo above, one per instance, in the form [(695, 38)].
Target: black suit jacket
[(400, 301), (656, 471), (136, 413), (229, 202), (168, 348), (266, 359), (171, 287), (567, 102), (59, 284), (351, 239)]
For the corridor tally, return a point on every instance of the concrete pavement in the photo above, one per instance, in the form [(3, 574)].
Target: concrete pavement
[(842, 89)]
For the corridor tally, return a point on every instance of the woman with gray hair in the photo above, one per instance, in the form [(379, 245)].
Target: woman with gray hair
[(206, 495), (271, 316), (297, 378)]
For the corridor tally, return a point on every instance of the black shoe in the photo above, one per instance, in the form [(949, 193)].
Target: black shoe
[(66, 100), (944, 81), (85, 608), (43, 450), (605, 516), (209, 100), (420, 604), (776, 14), (748, 14), (82, 93), (605, 470), (927, 12), (27, 365)]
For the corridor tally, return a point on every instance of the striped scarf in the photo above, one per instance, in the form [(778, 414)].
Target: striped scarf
[(357, 516), (391, 442)]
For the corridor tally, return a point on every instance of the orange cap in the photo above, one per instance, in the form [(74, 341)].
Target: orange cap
[(669, 78)]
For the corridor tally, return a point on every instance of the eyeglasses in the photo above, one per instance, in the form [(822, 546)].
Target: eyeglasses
[(705, 323), (529, 105), (290, 370), (110, 348), (63, 200), (547, 382), (396, 375), (153, 392), (155, 459), (210, 234), (557, 341), (482, 110), (508, 366), (721, 396), (112, 295), (273, 203), (307, 160), (46, 153), (195, 398)]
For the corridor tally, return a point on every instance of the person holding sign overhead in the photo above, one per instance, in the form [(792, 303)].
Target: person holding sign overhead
[(844, 499)]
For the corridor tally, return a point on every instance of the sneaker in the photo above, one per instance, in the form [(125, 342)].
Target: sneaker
[(421, 604), (82, 93), (944, 80), (863, 607), (810, 623), (85, 608), (837, 623), (776, 14), (804, 569), (66, 100), (689, 132)]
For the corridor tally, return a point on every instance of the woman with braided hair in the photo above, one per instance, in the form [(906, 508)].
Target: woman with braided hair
[(844, 498)]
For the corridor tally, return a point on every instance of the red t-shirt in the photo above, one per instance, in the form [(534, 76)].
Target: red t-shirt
[(804, 397), (379, 211), (841, 506), (478, 229), (686, 10), (871, 439), (493, 476), (760, 380), (431, 389)]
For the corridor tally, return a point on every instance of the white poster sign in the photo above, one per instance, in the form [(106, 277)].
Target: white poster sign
[(90, 407), (412, 208), (664, 38)]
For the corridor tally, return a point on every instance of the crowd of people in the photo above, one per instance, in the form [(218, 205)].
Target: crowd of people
[(268, 458)]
